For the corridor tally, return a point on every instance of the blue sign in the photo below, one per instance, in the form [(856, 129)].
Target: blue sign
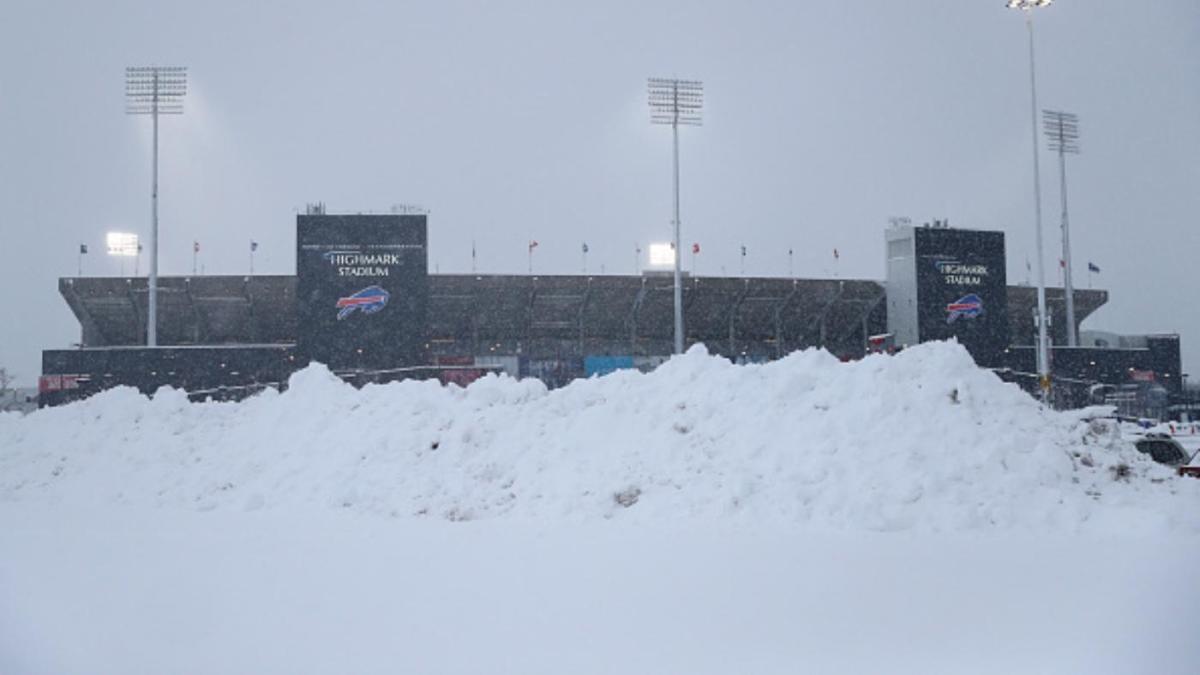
[(603, 365)]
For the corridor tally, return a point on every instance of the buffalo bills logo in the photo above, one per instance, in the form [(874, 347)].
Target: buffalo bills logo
[(967, 307), (369, 300)]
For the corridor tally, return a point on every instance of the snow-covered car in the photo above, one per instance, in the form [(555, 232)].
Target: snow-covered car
[(1164, 449), (1191, 467)]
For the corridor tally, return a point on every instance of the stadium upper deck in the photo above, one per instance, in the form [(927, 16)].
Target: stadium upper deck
[(537, 315)]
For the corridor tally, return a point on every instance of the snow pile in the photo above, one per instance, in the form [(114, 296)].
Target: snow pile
[(923, 440)]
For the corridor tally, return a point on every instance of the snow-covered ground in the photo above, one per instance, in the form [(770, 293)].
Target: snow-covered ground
[(920, 441), (137, 591), (898, 514)]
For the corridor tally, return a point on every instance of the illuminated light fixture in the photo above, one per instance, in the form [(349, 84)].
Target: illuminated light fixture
[(675, 102), (1043, 338), (154, 91), (662, 255), (122, 243)]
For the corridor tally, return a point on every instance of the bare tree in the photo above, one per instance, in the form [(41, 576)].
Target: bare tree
[(7, 397)]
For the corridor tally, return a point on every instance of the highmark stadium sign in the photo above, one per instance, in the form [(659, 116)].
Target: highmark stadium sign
[(362, 289), (956, 273), (962, 290), (366, 263)]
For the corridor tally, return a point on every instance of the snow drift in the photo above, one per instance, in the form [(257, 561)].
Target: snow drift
[(922, 440)]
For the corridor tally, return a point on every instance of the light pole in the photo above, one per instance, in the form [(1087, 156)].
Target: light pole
[(1043, 346), (676, 102), (154, 91), (1062, 130)]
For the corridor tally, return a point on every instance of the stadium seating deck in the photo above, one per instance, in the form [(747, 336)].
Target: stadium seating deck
[(553, 315)]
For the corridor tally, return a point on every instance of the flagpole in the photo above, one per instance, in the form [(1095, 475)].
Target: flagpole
[(472, 256)]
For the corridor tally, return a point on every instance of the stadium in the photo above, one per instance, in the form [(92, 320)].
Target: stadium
[(364, 303)]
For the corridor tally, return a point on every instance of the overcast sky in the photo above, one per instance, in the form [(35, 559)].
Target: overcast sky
[(519, 120)]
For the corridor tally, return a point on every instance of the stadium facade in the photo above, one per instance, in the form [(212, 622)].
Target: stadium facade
[(363, 302)]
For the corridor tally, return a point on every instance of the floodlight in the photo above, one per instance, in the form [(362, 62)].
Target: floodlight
[(122, 244), (154, 91), (1062, 132), (1028, 4), (1043, 344), (674, 102), (662, 255)]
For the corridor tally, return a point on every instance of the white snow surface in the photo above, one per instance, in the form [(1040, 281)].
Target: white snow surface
[(923, 440), (703, 518), (130, 590)]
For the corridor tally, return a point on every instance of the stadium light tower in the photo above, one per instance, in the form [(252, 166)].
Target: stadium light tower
[(1062, 130), (1043, 346), (154, 91), (676, 102)]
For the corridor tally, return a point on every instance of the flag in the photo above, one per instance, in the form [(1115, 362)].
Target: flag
[(585, 248), (195, 247), (83, 249), (532, 245), (1091, 267), (695, 249), (835, 254), (1062, 263), (789, 251), (253, 246)]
